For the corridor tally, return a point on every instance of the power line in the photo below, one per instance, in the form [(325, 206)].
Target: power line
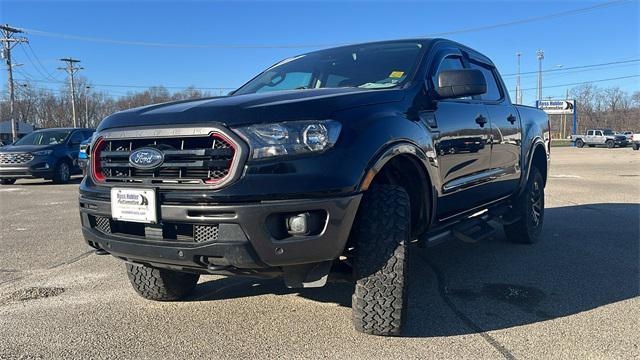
[(587, 82), (146, 86), (275, 46), (534, 18), (50, 75), (574, 67), (35, 66)]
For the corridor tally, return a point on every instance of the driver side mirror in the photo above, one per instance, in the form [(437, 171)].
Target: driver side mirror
[(460, 83)]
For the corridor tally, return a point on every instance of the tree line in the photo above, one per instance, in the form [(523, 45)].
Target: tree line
[(47, 108), (43, 108)]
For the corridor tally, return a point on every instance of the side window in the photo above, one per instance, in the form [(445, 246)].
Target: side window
[(493, 91), (590, 133), (598, 133), (76, 137)]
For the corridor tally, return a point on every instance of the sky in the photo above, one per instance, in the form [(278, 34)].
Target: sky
[(223, 44)]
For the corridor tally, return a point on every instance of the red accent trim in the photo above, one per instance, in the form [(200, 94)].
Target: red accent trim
[(96, 169), (233, 161)]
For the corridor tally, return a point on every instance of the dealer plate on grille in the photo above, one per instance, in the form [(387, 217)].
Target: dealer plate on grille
[(137, 205)]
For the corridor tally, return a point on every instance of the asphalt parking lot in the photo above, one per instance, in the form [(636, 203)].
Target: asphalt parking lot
[(573, 295)]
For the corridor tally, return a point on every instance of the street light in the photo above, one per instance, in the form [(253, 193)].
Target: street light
[(540, 55), (86, 105)]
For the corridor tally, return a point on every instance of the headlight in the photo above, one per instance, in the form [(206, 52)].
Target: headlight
[(290, 138), (42, 152)]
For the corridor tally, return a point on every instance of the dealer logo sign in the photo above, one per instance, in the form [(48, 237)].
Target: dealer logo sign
[(146, 158)]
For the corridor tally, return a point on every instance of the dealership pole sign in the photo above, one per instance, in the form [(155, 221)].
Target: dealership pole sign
[(554, 107), (557, 106)]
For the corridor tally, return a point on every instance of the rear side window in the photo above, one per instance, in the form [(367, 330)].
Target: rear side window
[(493, 91)]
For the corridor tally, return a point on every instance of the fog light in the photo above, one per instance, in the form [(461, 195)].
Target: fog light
[(298, 224)]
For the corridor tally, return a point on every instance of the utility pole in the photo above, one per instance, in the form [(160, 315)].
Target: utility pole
[(71, 69), (518, 88), (86, 105), (9, 41), (540, 54)]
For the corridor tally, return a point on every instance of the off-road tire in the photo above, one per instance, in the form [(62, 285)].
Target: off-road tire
[(7, 181), (610, 144), (62, 173), (636, 146), (161, 284), (381, 239), (530, 208), (579, 143)]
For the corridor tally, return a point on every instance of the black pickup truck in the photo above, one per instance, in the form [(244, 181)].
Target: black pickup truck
[(332, 162)]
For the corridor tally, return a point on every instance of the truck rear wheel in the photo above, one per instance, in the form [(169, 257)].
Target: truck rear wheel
[(610, 144), (579, 143), (381, 238), (636, 146), (530, 208), (161, 284)]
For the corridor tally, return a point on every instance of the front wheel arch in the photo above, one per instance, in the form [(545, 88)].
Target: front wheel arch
[(406, 158)]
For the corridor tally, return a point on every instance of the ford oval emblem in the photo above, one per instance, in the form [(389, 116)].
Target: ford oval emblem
[(146, 158)]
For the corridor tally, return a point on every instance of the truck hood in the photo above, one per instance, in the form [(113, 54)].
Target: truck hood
[(26, 148), (253, 108)]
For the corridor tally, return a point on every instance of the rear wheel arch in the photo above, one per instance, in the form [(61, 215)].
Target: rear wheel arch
[(539, 161)]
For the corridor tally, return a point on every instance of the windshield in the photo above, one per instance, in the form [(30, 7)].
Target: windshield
[(370, 66), (48, 137), (608, 132)]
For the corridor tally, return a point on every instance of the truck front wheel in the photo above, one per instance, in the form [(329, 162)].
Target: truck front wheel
[(530, 208), (636, 146), (161, 284), (381, 239)]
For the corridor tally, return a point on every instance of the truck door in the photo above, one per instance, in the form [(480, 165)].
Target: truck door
[(460, 139), (506, 134), (588, 139), (599, 137)]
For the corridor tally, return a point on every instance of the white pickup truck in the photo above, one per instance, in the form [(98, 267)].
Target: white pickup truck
[(600, 137), (635, 141)]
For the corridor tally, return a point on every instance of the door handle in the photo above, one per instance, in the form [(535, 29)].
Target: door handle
[(481, 120), (511, 119)]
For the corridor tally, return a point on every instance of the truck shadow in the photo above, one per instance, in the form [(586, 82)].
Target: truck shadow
[(588, 257)]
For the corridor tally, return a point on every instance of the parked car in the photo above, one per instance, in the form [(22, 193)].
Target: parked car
[(51, 154), (83, 155), (600, 137), (626, 134), (326, 162), (635, 141)]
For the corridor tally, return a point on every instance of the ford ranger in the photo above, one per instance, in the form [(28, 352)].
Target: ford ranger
[(332, 162)]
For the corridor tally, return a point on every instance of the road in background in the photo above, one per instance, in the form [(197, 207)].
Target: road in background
[(573, 295)]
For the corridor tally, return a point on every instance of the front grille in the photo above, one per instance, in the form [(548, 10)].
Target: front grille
[(203, 233), (167, 230), (103, 224), (200, 159), (15, 158)]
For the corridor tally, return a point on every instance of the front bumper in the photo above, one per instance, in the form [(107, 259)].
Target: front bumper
[(33, 169), (246, 240)]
